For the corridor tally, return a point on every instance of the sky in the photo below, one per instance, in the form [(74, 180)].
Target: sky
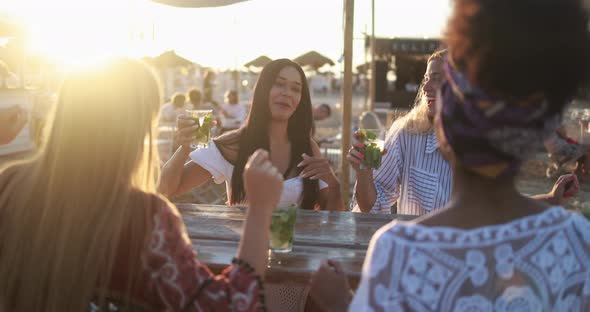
[(82, 31)]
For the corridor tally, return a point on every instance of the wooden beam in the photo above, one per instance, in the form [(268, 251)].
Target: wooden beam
[(346, 100), (372, 84)]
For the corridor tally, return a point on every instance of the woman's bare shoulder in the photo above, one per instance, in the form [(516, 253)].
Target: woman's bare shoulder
[(228, 145)]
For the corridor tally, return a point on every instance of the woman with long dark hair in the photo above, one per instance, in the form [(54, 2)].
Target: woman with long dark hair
[(280, 122)]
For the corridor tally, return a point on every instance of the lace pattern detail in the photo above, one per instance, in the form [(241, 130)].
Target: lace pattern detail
[(536, 263)]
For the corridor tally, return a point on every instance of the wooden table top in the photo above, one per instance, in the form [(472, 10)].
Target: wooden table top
[(319, 235)]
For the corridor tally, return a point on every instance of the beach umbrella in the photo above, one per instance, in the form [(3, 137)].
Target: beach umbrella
[(198, 3), (313, 59), (260, 61), (170, 59)]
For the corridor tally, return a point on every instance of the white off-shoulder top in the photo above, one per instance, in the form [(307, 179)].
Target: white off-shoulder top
[(211, 159)]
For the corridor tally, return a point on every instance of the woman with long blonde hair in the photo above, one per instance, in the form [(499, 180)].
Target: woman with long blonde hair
[(418, 120), (412, 163), (81, 221)]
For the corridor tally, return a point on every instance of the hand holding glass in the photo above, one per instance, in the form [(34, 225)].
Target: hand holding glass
[(204, 119), (373, 149)]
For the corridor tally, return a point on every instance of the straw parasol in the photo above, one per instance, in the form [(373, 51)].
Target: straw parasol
[(170, 59), (313, 59), (260, 61)]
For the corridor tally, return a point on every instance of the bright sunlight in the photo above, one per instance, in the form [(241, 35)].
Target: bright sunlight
[(73, 32)]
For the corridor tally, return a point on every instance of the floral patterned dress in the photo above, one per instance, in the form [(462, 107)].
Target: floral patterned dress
[(172, 279), (535, 263)]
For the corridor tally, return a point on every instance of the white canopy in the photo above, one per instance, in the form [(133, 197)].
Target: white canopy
[(198, 3)]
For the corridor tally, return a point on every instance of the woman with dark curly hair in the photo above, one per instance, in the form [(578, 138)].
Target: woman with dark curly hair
[(511, 68)]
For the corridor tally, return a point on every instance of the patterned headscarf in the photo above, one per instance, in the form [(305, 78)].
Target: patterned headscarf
[(491, 136)]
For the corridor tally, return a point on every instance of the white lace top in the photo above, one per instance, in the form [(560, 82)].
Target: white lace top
[(535, 263), (221, 170)]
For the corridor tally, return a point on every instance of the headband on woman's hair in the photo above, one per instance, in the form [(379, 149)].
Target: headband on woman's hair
[(491, 136)]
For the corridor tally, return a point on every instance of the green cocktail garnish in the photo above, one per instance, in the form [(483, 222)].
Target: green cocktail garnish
[(282, 228), (372, 151)]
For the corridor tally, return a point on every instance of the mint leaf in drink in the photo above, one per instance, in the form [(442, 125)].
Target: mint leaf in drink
[(282, 227), (372, 154), (207, 120)]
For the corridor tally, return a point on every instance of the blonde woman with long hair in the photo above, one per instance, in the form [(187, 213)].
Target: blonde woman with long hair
[(419, 119), (413, 172), (81, 222)]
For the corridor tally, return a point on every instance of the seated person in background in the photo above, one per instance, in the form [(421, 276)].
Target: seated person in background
[(321, 112), (563, 150), (195, 99), (12, 118), (175, 107), (490, 248), (97, 223), (7, 78), (209, 78), (233, 114), (12, 121)]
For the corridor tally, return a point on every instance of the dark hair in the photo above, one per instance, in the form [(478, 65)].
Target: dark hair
[(514, 49), (327, 108), (178, 100), (208, 76), (232, 93), (194, 96), (254, 134)]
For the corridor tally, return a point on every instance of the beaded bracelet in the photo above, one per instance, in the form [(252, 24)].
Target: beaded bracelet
[(250, 270)]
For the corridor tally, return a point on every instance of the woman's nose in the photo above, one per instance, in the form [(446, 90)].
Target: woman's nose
[(427, 86), (285, 91)]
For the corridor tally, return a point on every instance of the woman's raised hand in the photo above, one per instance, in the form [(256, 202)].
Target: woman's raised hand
[(263, 183)]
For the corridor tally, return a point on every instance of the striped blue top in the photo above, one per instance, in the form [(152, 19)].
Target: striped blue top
[(413, 173)]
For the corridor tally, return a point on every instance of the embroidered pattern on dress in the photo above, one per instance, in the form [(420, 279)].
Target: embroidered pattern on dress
[(536, 263), (177, 276)]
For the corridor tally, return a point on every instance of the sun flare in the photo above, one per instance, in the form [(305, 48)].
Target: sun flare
[(73, 33), (76, 33)]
